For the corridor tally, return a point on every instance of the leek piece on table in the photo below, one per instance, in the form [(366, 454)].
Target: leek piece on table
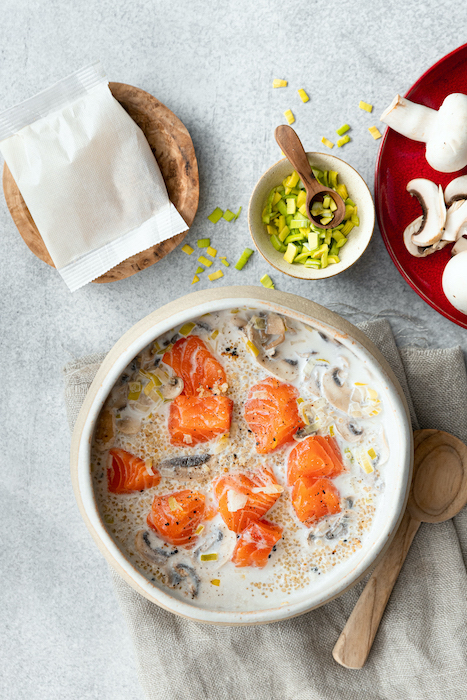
[(244, 257), (205, 261), (267, 282), (211, 251), (199, 270), (204, 242), (342, 129), (303, 96), (216, 215), (238, 213), (288, 114), (216, 275), (228, 215), (187, 249), (224, 262), (374, 131), (341, 142), (365, 106), (277, 83), (327, 142), (195, 279)]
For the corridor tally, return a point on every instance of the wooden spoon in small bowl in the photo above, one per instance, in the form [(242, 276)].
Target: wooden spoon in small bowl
[(315, 192), (438, 492)]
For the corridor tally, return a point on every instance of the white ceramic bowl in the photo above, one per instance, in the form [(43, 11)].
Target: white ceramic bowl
[(397, 478), (359, 237)]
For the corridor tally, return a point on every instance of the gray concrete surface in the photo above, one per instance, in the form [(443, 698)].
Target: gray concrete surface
[(212, 63)]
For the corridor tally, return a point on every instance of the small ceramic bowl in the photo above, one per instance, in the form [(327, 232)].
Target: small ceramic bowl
[(358, 238)]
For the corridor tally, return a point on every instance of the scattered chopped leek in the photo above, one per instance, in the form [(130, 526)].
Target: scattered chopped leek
[(199, 529), (211, 251), (303, 96), (209, 557), (228, 215), (186, 329), (341, 142), (238, 213), (216, 275), (187, 249), (251, 347), (205, 261), (244, 257), (288, 114), (216, 582), (135, 389), (267, 282), (216, 215), (374, 131), (342, 129), (277, 83), (174, 504), (365, 463), (371, 453), (365, 106), (225, 262), (214, 334), (327, 142), (203, 242), (199, 270)]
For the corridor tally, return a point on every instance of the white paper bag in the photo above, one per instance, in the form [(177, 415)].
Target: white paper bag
[(87, 175)]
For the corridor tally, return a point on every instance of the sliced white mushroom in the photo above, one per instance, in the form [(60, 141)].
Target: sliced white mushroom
[(275, 325), (456, 190), (456, 220), (349, 430), (336, 390), (415, 250), (431, 200), (191, 578), (283, 369), (459, 246), (105, 430), (172, 388), (152, 549), (129, 425), (222, 541)]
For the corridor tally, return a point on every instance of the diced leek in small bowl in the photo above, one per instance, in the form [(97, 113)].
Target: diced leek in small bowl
[(283, 232)]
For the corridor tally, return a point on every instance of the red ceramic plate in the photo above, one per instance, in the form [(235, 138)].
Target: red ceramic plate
[(399, 161)]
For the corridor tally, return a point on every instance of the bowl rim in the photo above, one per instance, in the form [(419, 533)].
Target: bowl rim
[(330, 271), (128, 346)]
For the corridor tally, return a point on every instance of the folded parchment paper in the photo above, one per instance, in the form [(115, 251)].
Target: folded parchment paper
[(87, 175)]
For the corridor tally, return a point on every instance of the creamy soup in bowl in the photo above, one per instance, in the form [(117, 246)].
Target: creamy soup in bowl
[(248, 462)]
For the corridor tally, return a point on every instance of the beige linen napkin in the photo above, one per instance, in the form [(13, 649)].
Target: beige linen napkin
[(420, 650)]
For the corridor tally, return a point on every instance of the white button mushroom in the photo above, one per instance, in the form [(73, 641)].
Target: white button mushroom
[(444, 131), (431, 200), (454, 286)]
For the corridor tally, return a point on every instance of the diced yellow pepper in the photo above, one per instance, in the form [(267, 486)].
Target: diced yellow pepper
[(365, 106), (327, 142), (187, 249), (303, 96), (277, 83), (374, 131), (288, 114), (216, 275)]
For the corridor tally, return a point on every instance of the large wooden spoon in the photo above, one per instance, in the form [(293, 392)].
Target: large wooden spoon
[(315, 192), (438, 493)]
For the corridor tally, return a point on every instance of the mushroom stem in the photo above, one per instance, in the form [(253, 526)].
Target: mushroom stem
[(409, 118)]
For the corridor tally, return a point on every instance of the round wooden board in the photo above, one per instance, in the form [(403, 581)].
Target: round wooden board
[(173, 149)]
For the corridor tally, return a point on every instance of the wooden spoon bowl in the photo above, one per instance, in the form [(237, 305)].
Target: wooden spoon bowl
[(438, 492), (292, 148)]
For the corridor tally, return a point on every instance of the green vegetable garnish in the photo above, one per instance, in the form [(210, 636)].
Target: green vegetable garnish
[(244, 257), (341, 131), (204, 242), (238, 213), (267, 282), (199, 270), (216, 215), (228, 215)]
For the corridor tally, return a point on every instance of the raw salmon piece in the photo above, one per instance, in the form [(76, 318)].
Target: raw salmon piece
[(314, 456), (313, 499), (271, 412), (255, 544), (241, 500), (176, 516), (193, 419), (127, 473), (191, 359)]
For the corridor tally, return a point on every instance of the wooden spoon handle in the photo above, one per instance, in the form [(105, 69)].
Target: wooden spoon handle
[(354, 644), (292, 147)]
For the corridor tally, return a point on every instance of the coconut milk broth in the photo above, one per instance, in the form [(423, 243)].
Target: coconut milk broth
[(304, 556)]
